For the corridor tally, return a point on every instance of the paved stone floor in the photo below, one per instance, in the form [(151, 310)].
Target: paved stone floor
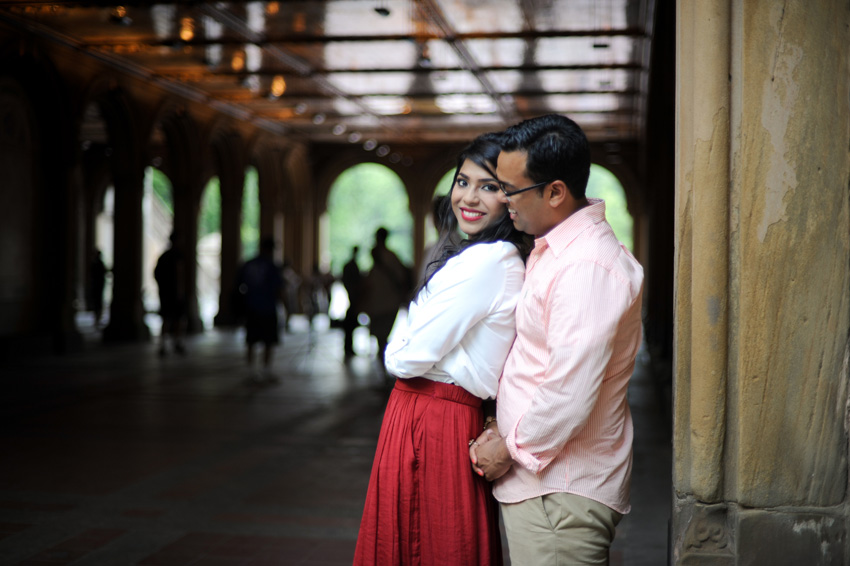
[(115, 456)]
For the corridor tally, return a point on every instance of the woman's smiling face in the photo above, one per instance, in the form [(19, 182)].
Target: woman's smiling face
[(475, 198)]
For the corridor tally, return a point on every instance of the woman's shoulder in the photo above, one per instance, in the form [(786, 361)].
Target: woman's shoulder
[(499, 252)]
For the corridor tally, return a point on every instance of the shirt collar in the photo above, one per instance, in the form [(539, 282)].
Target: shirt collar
[(559, 237)]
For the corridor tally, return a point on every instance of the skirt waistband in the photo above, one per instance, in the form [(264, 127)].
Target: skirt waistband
[(447, 391)]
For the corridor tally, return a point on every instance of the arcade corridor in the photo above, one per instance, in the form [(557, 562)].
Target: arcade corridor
[(114, 456)]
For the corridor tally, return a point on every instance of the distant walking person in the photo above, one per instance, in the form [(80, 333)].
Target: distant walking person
[(261, 287), (388, 287), (351, 280), (170, 276), (97, 281)]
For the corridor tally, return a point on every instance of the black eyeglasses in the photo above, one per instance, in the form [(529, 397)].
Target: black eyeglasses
[(509, 194)]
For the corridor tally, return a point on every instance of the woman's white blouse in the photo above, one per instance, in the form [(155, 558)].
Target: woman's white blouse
[(461, 326)]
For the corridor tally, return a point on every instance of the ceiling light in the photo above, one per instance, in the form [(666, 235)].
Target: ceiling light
[(278, 86), (119, 16), (187, 29), (354, 137), (319, 119), (383, 150), (238, 61), (339, 129), (370, 145)]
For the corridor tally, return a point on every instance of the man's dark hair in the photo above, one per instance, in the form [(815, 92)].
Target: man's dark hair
[(556, 148)]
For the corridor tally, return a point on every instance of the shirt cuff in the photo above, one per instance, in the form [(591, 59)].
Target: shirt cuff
[(520, 456)]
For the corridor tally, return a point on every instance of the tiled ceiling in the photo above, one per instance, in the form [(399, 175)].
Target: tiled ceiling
[(391, 70)]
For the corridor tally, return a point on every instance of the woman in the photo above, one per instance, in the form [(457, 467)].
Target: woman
[(424, 504)]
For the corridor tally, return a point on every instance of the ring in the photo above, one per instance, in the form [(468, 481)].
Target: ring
[(471, 442)]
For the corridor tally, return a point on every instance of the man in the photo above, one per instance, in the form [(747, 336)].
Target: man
[(97, 281), (170, 276), (261, 286), (351, 280), (560, 451), (387, 288)]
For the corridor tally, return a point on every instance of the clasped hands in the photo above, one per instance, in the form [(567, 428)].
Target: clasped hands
[(489, 454)]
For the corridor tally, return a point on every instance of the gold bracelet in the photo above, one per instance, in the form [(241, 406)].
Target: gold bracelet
[(488, 420)]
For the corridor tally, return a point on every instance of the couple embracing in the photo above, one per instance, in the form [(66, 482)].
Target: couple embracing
[(538, 308)]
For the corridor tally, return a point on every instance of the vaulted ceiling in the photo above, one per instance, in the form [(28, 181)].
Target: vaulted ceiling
[(376, 71)]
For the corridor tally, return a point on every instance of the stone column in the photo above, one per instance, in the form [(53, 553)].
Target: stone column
[(232, 182), (187, 191), (126, 313), (762, 283)]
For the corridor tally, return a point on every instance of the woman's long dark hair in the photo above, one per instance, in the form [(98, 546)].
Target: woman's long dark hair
[(484, 152)]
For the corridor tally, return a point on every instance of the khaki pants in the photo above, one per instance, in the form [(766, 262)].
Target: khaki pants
[(559, 529)]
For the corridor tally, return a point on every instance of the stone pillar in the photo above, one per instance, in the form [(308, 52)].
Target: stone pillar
[(126, 312), (232, 182), (186, 209), (762, 283)]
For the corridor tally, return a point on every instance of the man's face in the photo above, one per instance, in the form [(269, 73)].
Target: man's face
[(527, 209)]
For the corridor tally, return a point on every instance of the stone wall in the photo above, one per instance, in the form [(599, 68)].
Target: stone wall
[(762, 282)]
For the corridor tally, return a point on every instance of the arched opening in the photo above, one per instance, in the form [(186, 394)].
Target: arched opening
[(208, 278), (605, 185), (158, 222), (362, 199), (250, 230)]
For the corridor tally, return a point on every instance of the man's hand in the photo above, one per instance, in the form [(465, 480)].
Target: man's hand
[(489, 455)]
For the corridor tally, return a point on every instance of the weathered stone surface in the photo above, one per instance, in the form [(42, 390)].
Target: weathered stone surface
[(793, 539), (703, 255), (763, 307), (703, 534), (728, 535), (792, 312)]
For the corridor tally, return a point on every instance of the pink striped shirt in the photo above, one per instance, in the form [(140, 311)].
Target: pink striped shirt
[(562, 404)]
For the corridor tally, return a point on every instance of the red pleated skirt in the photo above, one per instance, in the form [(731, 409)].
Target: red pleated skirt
[(425, 506)]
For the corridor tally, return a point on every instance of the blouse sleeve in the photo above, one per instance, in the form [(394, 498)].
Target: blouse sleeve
[(463, 292)]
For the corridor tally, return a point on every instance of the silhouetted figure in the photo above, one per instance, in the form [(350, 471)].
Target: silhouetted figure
[(387, 287), (261, 286), (351, 280), (292, 290), (320, 292), (170, 275), (97, 281)]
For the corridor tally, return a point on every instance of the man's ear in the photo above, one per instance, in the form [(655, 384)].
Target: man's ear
[(558, 194)]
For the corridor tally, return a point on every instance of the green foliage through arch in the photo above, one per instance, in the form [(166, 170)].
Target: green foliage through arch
[(605, 185), (250, 230), (362, 199)]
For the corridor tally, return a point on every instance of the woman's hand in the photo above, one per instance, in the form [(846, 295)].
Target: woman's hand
[(489, 455)]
